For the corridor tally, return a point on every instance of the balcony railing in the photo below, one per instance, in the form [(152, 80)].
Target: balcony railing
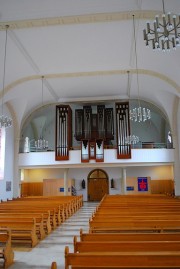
[(139, 145)]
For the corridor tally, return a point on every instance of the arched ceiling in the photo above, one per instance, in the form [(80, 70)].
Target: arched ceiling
[(84, 50)]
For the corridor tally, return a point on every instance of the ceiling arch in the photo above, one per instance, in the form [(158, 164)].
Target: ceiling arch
[(81, 19), (83, 49), (152, 73)]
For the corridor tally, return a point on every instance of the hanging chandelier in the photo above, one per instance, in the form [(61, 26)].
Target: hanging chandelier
[(163, 35), (139, 113), (41, 143), (131, 139), (5, 121)]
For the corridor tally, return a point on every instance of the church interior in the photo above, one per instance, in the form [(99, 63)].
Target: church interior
[(89, 132)]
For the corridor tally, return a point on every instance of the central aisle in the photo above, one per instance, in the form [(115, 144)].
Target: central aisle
[(52, 247)]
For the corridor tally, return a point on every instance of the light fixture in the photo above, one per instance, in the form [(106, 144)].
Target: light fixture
[(131, 139), (139, 113), (41, 143), (163, 35), (5, 121)]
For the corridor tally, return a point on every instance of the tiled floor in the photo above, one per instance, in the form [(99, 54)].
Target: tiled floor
[(52, 247)]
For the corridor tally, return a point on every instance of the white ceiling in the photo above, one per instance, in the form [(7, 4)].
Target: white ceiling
[(83, 48)]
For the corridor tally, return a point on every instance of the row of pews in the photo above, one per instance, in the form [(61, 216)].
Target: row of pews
[(26, 221), (138, 231)]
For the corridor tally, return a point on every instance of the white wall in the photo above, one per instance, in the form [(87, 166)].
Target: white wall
[(155, 172), (78, 174), (37, 175)]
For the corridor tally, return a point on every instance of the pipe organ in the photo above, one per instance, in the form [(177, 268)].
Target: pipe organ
[(109, 124), (63, 132), (122, 130), (94, 130), (90, 126)]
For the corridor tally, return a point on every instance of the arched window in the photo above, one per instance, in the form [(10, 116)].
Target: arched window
[(2, 152)]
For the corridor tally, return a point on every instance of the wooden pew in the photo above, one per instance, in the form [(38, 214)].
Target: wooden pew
[(54, 265), (6, 252), (70, 204), (156, 213), (32, 218), (141, 225), (136, 213), (23, 232), (129, 236), (142, 200), (162, 259), (29, 213), (140, 217), (21, 218), (121, 246), (33, 207)]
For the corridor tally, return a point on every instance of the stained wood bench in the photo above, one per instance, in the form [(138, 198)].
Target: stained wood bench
[(129, 236), (22, 232), (138, 217), (31, 219), (163, 259), (123, 249), (127, 214), (123, 200), (138, 214), (137, 211), (6, 252), (138, 225), (121, 246), (54, 265), (133, 218), (69, 204), (31, 213), (21, 218), (23, 207)]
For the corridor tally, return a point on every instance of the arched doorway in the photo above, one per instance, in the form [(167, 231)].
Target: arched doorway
[(98, 185)]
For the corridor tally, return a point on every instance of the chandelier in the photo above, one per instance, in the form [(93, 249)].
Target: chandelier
[(5, 121), (139, 113), (163, 35), (131, 139), (41, 143)]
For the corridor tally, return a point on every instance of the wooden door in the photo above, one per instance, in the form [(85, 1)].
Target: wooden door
[(98, 185)]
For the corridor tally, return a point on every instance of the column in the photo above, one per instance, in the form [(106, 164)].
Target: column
[(66, 181), (124, 180), (176, 145)]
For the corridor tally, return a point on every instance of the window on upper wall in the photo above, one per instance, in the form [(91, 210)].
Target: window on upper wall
[(2, 152)]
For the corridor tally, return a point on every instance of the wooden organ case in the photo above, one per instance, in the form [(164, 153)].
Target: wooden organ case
[(94, 130), (63, 132), (123, 130)]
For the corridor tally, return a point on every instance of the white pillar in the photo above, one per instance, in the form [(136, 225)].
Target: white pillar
[(176, 144), (124, 180), (16, 171), (66, 181)]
